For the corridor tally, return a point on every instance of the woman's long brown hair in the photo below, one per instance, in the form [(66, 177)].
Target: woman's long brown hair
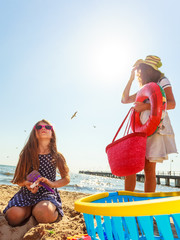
[(29, 160)]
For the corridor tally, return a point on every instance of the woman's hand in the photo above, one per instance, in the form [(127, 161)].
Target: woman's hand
[(140, 106)]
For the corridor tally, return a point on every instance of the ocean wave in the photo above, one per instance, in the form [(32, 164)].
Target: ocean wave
[(84, 183), (78, 188), (6, 173), (5, 181)]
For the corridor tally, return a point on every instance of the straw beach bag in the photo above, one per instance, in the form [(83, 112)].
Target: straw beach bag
[(126, 155)]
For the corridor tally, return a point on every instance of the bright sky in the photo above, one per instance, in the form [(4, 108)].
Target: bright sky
[(58, 57)]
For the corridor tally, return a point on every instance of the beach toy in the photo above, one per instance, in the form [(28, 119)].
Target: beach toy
[(157, 98), (33, 177), (80, 237), (126, 155), (131, 216)]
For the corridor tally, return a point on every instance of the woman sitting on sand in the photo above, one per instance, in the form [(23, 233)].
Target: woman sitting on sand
[(40, 153)]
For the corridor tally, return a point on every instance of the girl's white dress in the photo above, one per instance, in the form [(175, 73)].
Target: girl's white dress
[(162, 142)]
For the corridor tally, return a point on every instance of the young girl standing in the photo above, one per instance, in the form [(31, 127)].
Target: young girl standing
[(40, 153), (162, 142)]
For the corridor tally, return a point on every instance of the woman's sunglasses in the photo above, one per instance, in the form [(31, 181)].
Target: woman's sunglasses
[(39, 127)]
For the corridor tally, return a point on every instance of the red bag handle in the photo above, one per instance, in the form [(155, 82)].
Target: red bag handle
[(127, 127)]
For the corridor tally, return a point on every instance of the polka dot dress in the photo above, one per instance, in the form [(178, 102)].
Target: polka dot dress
[(26, 198)]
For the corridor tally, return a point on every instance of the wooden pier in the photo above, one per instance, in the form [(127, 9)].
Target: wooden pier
[(167, 176)]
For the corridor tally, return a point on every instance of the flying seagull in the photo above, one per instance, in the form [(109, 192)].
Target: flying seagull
[(74, 115)]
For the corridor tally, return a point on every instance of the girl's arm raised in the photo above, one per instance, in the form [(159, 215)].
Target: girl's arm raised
[(126, 98)]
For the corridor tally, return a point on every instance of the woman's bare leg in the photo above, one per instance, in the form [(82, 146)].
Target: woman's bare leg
[(150, 176), (130, 182), (45, 212), (16, 215)]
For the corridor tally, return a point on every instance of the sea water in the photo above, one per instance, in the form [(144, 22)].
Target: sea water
[(85, 183)]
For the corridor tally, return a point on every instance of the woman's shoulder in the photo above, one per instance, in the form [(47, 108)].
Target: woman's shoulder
[(164, 82)]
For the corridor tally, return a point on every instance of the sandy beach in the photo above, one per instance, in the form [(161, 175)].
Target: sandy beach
[(71, 224)]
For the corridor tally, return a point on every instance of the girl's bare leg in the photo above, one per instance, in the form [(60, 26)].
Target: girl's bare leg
[(130, 182), (150, 176), (16, 215), (45, 212)]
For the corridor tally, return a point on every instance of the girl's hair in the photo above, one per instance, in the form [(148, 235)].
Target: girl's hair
[(152, 75), (29, 159)]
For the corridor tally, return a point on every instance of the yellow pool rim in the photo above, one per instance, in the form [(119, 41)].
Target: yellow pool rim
[(169, 204)]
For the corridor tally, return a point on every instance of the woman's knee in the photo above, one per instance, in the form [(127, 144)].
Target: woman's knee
[(150, 168), (150, 171), (130, 182)]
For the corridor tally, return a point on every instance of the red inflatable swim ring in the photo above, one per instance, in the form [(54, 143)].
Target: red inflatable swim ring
[(157, 98)]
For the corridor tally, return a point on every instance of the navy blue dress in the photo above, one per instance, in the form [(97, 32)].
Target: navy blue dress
[(24, 197)]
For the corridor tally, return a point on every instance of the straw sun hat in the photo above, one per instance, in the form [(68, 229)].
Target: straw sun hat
[(151, 60)]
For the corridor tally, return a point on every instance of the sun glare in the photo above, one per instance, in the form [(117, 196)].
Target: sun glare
[(109, 58)]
